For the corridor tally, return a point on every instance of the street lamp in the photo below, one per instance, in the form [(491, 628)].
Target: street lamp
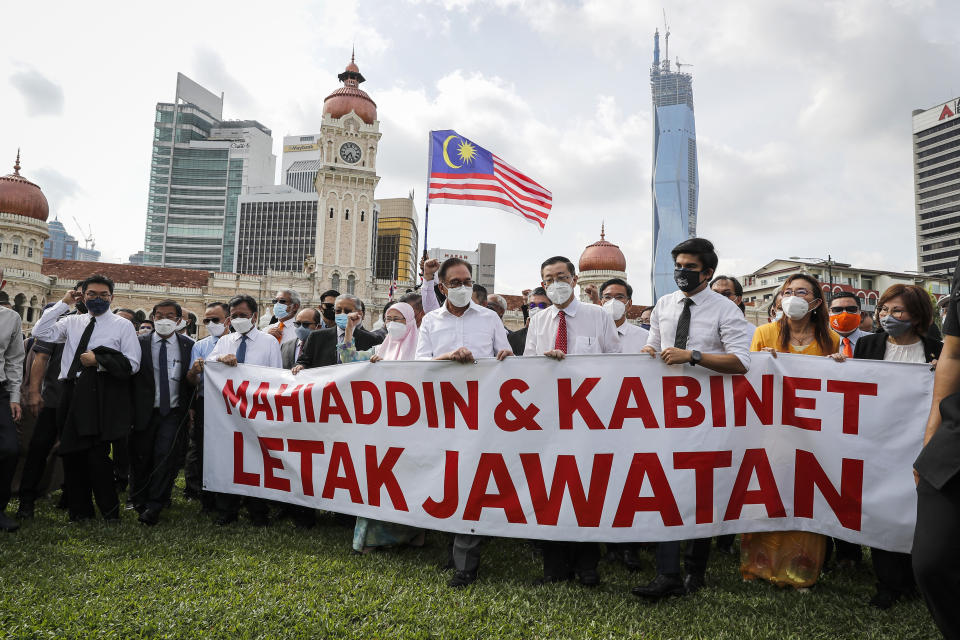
[(829, 262)]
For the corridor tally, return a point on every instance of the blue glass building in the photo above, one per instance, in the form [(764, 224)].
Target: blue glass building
[(675, 182)]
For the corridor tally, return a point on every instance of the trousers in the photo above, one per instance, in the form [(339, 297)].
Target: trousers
[(9, 448), (563, 559), (90, 471), (466, 552), (936, 553), (695, 557), (38, 452), (154, 457)]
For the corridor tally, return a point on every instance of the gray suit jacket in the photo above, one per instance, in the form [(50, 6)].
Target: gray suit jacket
[(288, 353)]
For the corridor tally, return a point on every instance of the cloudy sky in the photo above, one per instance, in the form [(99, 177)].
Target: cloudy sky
[(803, 110)]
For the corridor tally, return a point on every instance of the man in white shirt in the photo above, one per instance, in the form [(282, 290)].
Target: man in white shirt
[(286, 305), (247, 345), (569, 327), (616, 296), (216, 320), (695, 326), (87, 426), (462, 331), (428, 290)]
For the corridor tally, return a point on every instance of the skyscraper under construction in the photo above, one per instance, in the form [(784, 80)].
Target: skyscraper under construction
[(675, 182)]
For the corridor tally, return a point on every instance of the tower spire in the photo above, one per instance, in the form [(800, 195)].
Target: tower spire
[(603, 233), (16, 165)]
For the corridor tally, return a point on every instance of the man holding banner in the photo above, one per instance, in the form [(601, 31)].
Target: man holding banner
[(706, 329), (569, 327)]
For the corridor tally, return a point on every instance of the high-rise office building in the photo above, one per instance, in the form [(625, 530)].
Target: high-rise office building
[(936, 179), (675, 182), (63, 246), (483, 261), (199, 167), (396, 247), (277, 230)]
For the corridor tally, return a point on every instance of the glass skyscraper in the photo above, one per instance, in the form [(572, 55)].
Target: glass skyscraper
[(199, 166), (675, 182)]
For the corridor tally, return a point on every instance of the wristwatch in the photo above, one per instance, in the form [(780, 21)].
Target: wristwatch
[(695, 358)]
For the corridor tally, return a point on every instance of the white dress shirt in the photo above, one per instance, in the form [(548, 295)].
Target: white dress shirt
[(479, 329), (289, 331), (174, 368), (262, 348), (716, 325), (201, 349), (428, 296), (632, 338), (590, 329), (110, 330), (854, 335)]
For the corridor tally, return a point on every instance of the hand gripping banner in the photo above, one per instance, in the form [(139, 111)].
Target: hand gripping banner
[(608, 448)]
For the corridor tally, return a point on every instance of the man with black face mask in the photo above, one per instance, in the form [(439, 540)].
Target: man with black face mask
[(699, 327), (328, 300)]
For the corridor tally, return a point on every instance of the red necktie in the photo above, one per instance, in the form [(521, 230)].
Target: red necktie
[(560, 344), (847, 348)]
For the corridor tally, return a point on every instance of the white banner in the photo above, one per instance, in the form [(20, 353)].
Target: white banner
[(607, 448)]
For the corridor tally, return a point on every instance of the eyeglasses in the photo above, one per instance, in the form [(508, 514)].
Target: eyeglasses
[(538, 305), (619, 296), (90, 295), (308, 325), (235, 316), (896, 312), (209, 320), (280, 300), (851, 309), (562, 278), (453, 284), (326, 305), (803, 293)]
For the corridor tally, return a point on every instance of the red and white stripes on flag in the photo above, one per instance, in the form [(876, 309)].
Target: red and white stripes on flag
[(506, 188)]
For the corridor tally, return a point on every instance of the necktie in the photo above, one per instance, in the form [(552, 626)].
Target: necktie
[(683, 325), (560, 343), (164, 381), (75, 365), (847, 348), (242, 350), (280, 337)]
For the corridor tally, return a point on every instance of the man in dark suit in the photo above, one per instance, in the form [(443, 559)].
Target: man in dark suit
[(161, 399), (320, 349), (537, 301), (305, 322)]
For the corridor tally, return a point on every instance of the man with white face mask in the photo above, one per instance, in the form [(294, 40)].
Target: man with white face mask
[(216, 320), (462, 331), (616, 296), (161, 399), (569, 327)]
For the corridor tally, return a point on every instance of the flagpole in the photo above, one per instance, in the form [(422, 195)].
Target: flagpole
[(426, 208)]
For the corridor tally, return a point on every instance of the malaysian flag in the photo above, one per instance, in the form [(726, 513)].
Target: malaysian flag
[(463, 172)]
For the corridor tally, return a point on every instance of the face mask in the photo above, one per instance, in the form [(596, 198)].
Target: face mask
[(396, 330), (328, 314), (645, 325), (460, 297), (532, 311), (777, 316), (559, 292), (98, 306), (845, 322), (795, 307), (181, 325), (242, 325), (614, 308), (303, 333), (144, 331), (687, 279), (894, 326), (280, 310), (80, 307), (341, 320), (165, 327), (215, 329)]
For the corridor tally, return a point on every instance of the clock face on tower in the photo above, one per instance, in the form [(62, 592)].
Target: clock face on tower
[(350, 152)]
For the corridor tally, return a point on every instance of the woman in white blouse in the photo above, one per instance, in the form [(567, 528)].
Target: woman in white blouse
[(904, 314)]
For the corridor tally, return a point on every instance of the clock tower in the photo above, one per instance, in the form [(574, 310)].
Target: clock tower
[(346, 225)]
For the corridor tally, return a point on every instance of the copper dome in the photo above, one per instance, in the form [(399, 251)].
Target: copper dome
[(602, 256), (22, 197), (350, 97)]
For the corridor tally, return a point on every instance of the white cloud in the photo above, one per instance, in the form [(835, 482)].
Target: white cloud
[(42, 96)]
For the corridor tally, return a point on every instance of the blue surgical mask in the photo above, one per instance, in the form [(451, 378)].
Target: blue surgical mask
[(341, 320), (303, 333), (98, 306), (895, 327), (645, 325), (280, 310)]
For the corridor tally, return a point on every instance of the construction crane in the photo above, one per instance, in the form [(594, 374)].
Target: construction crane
[(88, 240), (680, 66)]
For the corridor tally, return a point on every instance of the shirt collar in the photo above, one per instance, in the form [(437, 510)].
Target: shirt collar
[(251, 335), (571, 309), (157, 337), (698, 298), (473, 306)]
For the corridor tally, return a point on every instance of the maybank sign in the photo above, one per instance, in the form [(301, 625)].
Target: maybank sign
[(927, 118), (301, 147), (949, 110)]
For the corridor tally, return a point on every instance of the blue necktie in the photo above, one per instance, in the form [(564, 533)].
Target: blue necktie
[(164, 379), (242, 351)]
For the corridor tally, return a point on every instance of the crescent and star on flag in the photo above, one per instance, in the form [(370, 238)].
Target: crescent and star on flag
[(466, 152)]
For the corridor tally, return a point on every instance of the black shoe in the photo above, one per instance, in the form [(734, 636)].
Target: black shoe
[(551, 580), (7, 523), (694, 582), (150, 516), (630, 560), (589, 577), (25, 510), (224, 519), (462, 579), (884, 599), (660, 587)]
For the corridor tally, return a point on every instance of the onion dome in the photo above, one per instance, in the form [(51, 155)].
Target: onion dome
[(22, 197), (602, 256), (350, 97)]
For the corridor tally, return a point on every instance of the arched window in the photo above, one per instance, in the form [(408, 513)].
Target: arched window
[(335, 282), (347, 216), (19, 304), (331, 213), (362, 215), (3, 243), (17, 241), (351, 284), (30, 247)]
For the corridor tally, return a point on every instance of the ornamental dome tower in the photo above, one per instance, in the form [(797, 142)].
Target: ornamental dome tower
[(599, 262), (21, 197), (350, 97)]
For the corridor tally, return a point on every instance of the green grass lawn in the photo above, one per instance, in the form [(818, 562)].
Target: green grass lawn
[(188, 578)]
